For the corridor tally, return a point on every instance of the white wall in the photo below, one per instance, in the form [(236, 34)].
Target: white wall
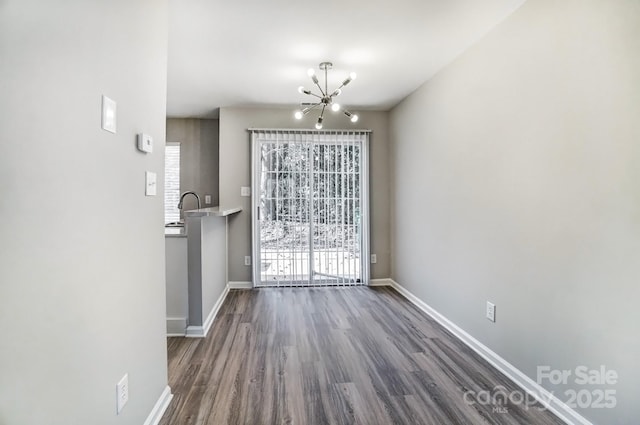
[(82, 298), (235, 171), (517, 180)]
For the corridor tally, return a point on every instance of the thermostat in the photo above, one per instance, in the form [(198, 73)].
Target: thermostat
[(145, 143)]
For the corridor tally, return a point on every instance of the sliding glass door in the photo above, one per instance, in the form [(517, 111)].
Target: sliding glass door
[(310, 204)]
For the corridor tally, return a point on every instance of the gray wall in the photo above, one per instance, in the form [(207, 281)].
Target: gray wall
[(177, 278), (198, 157), (206, 258), (517, 180), (213, 248), (82, 298), (235, 171)]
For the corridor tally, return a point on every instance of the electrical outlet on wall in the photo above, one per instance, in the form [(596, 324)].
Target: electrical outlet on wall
[(122, 393), (247, 260), (245, 191), (491, 311), (374, 258), (207, 199)]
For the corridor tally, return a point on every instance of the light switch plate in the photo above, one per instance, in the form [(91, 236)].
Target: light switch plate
[(108, 114), (145, 143), (207, 199), (150, 183), (245, 191)]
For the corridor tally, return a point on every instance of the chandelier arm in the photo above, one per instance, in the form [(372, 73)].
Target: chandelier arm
[(341, 86), (323, 94), (317, 83), (345, 82), (312, 107), (322, 113)]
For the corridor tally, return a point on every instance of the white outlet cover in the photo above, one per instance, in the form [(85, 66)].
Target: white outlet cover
[(491, 311), (150, 183), (122, 393), (109, 119), (245, 191), (247, 260), (374, 258), (207, 199)]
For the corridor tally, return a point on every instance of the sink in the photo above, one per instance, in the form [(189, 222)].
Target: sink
[(175, 224), (177, 228)]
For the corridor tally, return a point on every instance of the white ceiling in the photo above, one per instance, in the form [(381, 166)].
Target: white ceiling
[(256, 52)]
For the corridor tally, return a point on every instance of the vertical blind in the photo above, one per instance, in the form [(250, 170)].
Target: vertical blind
[(171, 182), (311, 207)]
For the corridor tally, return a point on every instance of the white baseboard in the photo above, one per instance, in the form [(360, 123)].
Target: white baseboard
[(195, 332), (380, 282), (555, 405), (201, 331), (176, 326), (160, 407), (240, 285)]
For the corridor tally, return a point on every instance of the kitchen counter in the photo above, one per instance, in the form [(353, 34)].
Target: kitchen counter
[(180, 231), (196, 270), (213, 211)]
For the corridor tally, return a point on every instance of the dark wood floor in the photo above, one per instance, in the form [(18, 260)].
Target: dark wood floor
[(333, 356)]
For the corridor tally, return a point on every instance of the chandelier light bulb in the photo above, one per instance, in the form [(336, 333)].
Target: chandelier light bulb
[(301, 90), (354, 118), (335, 107), (338, 92), (353, 75), (319, 123), (310, 72), (298, 115)]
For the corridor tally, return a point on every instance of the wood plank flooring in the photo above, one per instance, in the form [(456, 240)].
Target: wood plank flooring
[(323, 356)]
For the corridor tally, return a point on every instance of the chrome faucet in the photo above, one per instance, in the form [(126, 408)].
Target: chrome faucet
[(188, 193)]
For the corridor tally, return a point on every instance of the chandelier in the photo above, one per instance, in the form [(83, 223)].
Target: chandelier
[(324, 99)]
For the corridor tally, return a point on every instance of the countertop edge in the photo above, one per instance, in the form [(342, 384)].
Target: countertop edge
[(179, 234), (213, 212)]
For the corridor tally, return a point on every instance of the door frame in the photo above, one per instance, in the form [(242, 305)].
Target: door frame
[(364, 197)]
